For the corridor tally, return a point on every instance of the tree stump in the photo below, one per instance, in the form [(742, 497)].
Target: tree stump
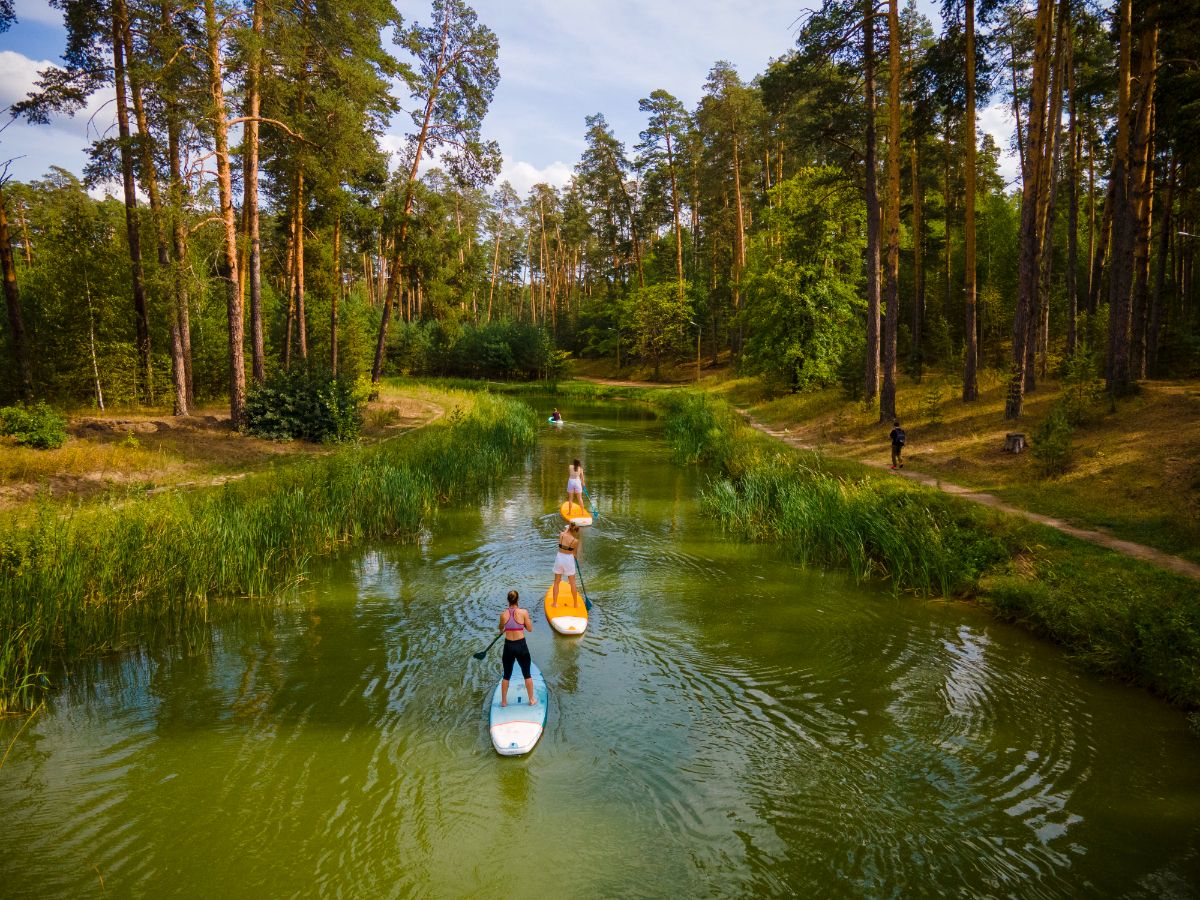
[(1014, 442)]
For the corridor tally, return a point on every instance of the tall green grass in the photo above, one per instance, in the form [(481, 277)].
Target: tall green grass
[(94, 579), (877, 528), (1120, 617)]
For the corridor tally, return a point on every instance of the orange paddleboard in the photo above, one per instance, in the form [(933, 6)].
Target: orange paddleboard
[(573, 512), (564, 617)]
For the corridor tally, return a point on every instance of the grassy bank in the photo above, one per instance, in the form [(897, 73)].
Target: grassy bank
[(1132, 470), (1121, 617), (92, 579)]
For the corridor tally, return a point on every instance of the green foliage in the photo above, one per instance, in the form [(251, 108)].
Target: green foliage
[(1051, 445), (36, 426), (802, 306), (931, 404), (305, 404), (82, 582), (1082, 390), (657, 316), (503, 349)]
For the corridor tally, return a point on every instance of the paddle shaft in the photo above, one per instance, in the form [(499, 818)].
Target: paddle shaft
[(482, 653), (587, 603), (590, 500)]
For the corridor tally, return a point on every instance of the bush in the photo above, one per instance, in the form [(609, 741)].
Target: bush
[(931, 405), (36, 426), (1052, 447), (503, 349), (306, 405), (1082, 390)]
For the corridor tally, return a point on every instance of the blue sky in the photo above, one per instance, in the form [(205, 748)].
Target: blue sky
[(560, 60)]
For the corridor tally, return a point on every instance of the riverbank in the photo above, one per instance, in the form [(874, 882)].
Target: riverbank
[(130, 453), (1133, 472), (1121, 617), (75, 581)]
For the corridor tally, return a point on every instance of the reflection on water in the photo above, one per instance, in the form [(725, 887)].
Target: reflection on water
[(730, 725)]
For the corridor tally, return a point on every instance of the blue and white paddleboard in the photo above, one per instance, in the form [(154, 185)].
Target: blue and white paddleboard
[(554, 421), (516, 728)]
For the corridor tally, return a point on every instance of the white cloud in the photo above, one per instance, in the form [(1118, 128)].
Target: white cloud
[(61, 143), (523, 175), (997, 120), (38, 11)]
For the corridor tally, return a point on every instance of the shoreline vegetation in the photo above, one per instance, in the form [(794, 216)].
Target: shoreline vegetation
[(92, 579)]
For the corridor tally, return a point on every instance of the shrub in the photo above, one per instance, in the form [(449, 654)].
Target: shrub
[(1052, 447), (306, 405), (1082, 390), (931, 405), (36, 426)]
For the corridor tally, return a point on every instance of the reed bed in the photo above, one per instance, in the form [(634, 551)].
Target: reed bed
[(95, 579)]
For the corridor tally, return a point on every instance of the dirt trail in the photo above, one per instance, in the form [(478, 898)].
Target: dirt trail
[(1128, 548)]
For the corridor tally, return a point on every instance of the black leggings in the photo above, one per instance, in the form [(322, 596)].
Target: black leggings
[(516, 652)]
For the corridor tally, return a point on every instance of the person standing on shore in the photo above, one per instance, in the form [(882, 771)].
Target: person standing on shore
[(898, 440)]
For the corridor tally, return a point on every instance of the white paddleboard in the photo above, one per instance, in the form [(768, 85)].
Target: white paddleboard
[(516, 728)]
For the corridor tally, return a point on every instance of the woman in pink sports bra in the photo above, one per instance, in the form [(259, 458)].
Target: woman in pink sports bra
[(514, 622)]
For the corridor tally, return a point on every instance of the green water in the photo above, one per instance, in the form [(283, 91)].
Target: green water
[(730, 725)]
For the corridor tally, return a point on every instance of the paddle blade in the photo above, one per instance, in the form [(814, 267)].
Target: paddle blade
[(480, 655), (587, 604)]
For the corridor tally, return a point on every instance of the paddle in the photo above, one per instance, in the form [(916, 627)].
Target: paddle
[(482, 653), (587, 603), (590, 500)]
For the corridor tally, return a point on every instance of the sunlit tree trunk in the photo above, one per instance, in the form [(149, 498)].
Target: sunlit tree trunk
[(1156, 299), (133, 235), (162, 242), (918, 324), (337, 294), (250, 195), (228, 265)]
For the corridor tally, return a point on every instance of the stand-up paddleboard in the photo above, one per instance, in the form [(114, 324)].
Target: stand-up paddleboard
[(573, 512), (564, 617), (554, 421), (516, 728)]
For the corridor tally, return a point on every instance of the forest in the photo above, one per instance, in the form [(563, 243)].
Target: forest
[(836, 218)]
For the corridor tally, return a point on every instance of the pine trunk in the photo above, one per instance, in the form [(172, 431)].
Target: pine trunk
[(1121, 274), (970, 328), (1025, 319), (1141, 183), (12, 299), (250, 197), (227, 267), (137, 274), (887, 395), (871, 193)]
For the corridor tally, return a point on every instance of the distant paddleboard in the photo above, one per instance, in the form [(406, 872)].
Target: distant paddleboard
[(554, 421), (564, 617), (516, 728), (573, 512)]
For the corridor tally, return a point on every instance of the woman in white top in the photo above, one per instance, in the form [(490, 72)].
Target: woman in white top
[(575, 483), (564, 562)]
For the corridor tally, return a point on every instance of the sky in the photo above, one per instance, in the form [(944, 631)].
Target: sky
[(560, 60)]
